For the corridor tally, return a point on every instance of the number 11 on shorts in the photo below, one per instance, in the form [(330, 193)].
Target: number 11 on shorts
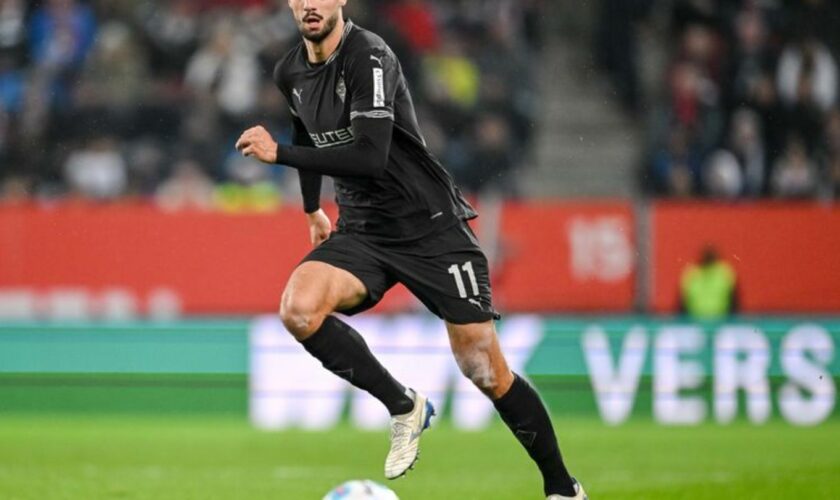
[(455, 271)]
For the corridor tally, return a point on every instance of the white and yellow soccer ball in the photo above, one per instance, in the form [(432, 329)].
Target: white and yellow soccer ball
[(361, 490)]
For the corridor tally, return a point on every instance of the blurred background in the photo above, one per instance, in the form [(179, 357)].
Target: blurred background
[(657, 181)]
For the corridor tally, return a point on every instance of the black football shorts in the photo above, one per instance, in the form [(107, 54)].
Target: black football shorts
[(447, 271)]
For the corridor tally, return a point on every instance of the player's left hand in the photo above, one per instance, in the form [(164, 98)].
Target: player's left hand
[(258, 143)]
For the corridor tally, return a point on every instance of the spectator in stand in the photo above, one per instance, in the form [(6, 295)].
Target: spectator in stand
[(235, 4), (833, 174), (617, 46), (453, 78), (416, 22), (819, 18), (722, 176), (145, 158), (677, 167), (15, 189), (13, 30), (795, 174), (170, 80), (226, 67), (709, 288), (688, 128), (61, 35), (778, 64), (694, 104), (807, 82), (530, 22), (5, 138), (12, 85), (451, 87), (187, 188), (201, 135), (703, 47), (98, 171), (249, 188), (114, 80), (271, 30), (747, 146), (493, 157), (507, 86), (739, 170), (752, 55), (831, 156), (172, 29), (687, 13), (762, 98), (11, 91)]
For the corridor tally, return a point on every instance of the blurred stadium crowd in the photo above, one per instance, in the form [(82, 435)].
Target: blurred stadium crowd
[(143, 99), (750, 105), (126, 99)]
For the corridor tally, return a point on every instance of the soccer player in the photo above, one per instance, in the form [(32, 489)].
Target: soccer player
[(401, 220)]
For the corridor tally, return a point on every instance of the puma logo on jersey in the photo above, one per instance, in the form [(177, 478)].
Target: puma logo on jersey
[(297, 93), (377, 59), (341, 89)]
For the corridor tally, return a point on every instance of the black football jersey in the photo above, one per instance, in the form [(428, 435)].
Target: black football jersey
[(416, 195)]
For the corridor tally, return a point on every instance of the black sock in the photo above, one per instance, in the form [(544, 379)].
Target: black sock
[(344, 352), (525, 415)]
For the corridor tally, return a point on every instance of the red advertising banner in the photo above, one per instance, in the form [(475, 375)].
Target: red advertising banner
[(206, 262), (82, 260), (786, 256), (566, 257)]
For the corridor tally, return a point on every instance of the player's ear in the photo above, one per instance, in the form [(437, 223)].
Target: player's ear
[(342, 3)]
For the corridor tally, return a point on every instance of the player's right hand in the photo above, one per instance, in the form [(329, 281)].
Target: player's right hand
[(320, 227)]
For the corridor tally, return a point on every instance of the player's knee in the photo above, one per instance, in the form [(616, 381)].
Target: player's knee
[(476, 366), (301, 316)]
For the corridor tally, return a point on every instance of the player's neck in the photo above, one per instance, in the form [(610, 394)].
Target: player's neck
[(319, 52)]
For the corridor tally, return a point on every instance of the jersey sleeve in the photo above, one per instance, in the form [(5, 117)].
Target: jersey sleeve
[(310, 182), (372, 74), (280, 82)]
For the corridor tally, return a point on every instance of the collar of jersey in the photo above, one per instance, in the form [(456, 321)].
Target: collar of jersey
[(348, 25)]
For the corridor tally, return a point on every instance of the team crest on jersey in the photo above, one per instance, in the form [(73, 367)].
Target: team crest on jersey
[(341, 88)]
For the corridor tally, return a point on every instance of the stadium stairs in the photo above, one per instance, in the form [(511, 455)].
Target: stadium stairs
[(586, 146)]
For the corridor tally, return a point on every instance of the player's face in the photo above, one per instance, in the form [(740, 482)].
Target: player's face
[(316, 19)]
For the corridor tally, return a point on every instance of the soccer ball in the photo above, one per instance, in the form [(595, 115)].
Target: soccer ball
[(361, 490)]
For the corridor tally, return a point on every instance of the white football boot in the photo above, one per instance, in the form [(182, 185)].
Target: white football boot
[(579, 494), (405, 436)]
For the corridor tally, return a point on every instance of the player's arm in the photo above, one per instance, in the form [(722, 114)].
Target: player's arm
[(372, 76), (320, 226), (310, 182), (366, 156)]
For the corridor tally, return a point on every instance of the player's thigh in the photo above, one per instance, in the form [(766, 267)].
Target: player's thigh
[(343, 274), (319, 287), (449, 273), (479, 356)]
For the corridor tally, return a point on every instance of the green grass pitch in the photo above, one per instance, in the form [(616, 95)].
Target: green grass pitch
[(202, 458)]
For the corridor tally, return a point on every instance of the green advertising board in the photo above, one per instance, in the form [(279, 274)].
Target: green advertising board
[(616, 369)]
